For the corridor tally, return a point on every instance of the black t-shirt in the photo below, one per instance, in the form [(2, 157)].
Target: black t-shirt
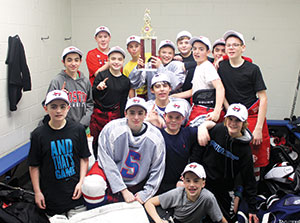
[(190, 65), (116, 92), (57, 153), (241, 83)]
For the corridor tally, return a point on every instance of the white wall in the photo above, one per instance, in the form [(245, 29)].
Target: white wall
[(31, 20), (273, 23)]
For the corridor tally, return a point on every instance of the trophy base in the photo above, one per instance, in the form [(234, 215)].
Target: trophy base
[(147, 69)]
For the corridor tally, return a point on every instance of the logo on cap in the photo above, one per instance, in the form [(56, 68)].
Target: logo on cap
[(192, 166), (131, 38), (176, 106), (136, 100), (56, 93), (236, 109), (101, 27)]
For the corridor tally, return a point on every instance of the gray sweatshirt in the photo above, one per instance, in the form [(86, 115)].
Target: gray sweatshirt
[(80, 96)]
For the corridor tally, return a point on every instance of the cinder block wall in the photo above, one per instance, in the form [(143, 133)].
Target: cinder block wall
[(31, 20), (270, 28)]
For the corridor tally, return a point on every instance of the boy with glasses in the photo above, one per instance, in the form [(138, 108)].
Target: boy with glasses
[(244, 84)]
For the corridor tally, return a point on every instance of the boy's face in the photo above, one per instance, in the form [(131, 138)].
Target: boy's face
[(234, 47), (116, 61), (166, 54), (184, 46), (200, 52), (72, 62), (173, 121), (103, 39), (135, 117), (234, 126), (57, 110), (193, 185), (134, 49), (161, 90), (218, 51)]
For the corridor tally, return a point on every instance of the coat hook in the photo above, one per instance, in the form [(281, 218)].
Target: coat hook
[(68, 38), (253, 38), (43, 38)]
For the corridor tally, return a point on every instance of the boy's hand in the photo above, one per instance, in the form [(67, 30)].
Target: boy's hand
[(102, 85), (213, 116), (40, 200), (128, 196), (254, 218), (257, 137), (155, 62), (140, 62), (178, 58), (203, 135), (218, 62), (137, 198), (154, 118), (63, 88), (77, 192)]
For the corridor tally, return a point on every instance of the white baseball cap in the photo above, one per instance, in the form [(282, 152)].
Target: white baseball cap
[(133, 38), (196, 168), (166, 42), (234, 33), (183, 34), (136, 101), (160, 77), (102, 29), (56, 95), (202, 39), (116, 49), (71, 49), (175, 106), (220, 41), (237, 110)]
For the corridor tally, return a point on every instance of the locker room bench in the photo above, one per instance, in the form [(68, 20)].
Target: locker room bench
[(12, 159)]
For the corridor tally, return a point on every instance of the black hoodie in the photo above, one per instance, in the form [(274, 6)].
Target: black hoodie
[(224, 158)]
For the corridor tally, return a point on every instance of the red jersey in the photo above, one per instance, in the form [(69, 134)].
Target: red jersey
[(94, 60)]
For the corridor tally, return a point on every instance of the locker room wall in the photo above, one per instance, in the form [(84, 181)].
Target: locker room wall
[(270, 29), (31, 20)]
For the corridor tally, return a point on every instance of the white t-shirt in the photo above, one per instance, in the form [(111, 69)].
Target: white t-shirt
[(204, 74)]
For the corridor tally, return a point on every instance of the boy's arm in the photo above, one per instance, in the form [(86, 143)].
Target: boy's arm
[(156, 172), (263, 102), (85, 120), (203, 134), (84, 163), (184, 94), (137, 77), (220, 96), (151, 210), (34, 172)]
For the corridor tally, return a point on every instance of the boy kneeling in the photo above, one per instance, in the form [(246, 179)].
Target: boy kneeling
[(191, 203)]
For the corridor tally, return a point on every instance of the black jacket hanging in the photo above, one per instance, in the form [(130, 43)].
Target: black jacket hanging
[(18, 72)]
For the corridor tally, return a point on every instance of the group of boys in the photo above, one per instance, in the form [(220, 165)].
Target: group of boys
[(137, 158)]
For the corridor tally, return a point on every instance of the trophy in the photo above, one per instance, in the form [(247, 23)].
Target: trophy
[(147, 35)]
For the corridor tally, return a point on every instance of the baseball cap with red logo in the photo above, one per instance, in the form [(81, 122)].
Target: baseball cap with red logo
[(116, 49), (71, 49), (201, 39), (102, 29), (220, 41), (133, 38), (183, 34), (56, 95), (166, 42), (237, 110), (175, 106), (229, 33), (195, 168), (136, 101)]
